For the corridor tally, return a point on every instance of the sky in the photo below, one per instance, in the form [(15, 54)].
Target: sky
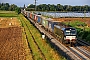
[(62, 2)]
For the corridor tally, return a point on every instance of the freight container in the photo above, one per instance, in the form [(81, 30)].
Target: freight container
[(22, 11), (39, 19), (28, 14), (31, 15), (51, 24), (45, 22), (35, 18), (25, 13)]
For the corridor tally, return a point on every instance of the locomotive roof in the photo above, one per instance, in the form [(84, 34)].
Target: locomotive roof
[(70, 28), (64, 28), (60, 27)]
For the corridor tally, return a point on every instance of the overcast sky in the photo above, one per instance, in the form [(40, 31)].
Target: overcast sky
[(62, 2)]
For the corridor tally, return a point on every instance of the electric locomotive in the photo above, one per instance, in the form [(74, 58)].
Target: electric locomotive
[(65, 34)]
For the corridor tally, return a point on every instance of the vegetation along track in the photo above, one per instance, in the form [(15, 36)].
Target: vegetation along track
[(79, 53), (35, 45), (46, 50)]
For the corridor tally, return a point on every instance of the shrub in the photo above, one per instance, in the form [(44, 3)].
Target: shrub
[(88, 38), (84, 34), (18, 10)]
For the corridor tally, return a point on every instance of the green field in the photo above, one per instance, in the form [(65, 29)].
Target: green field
[(8, 14)]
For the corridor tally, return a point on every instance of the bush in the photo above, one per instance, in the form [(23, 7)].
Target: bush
[(88, 38), (79, 31), (84, 34), (18, 10)]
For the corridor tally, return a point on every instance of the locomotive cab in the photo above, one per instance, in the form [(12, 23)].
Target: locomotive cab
[(65, 35), (70, 35)]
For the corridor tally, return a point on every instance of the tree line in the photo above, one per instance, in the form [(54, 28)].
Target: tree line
[(58, 7), (8, 7), (45, 7)]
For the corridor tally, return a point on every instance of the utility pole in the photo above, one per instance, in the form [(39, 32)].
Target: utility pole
[(24, 7), (35, 4)]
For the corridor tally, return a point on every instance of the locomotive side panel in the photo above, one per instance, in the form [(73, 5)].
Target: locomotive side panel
[(59, 33)]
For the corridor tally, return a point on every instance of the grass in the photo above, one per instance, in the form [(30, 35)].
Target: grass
[(47, 50), (28, 54), (36, 53), (8, 14), (49, 53), (7, 11)]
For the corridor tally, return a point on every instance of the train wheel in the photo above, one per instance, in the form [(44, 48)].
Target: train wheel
[(71, 44)]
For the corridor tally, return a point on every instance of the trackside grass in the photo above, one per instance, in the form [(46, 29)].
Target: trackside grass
[(35, 53), (50, 54)]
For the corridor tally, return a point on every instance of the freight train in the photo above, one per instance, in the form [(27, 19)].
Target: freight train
[(60, 31)]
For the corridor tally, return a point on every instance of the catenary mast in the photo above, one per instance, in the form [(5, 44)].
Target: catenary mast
[(35, 4)]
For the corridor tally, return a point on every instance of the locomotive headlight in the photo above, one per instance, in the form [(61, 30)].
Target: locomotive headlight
[(73, 37)]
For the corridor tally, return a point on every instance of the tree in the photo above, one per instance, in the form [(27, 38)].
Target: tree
[(18, 10), (31, 6), (7, 6), (66, 7), (59, 7), (4, 6), (12, 7), (86, 7)]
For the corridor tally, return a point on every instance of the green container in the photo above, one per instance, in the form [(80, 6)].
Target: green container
[(45, 22)]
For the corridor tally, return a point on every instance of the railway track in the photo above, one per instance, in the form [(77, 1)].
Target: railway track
[(76, 53), (79, 53), (39, 50), (83, 47)]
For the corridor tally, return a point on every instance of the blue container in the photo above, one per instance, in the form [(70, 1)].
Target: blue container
[(51, 25), (39, 19)]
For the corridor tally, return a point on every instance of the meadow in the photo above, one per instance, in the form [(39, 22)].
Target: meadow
[(8, 14)]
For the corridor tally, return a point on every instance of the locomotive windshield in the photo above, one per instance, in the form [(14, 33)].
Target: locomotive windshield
[(70, 32)]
